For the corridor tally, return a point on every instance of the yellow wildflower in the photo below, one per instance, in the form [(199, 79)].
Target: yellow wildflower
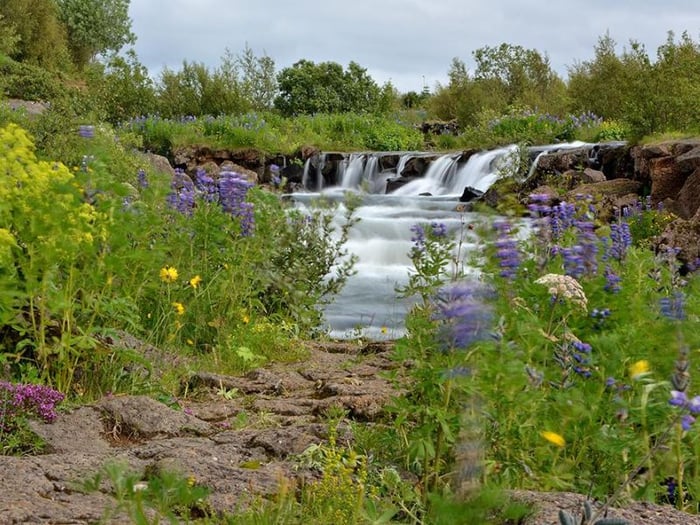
[(384, 329), (168, 274), (639, 368), (194, 282), (245, 318), (554, 438), (179, 308)]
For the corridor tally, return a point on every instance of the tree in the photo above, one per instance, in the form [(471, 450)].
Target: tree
[(32, 32), (257, 77), (308, 88), (519, 77), (95, 27), (599, 85), (122, 88)]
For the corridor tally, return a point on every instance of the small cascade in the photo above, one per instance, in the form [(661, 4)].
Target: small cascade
[(446, 176), (354, 170), (433, 182), (484, 168)]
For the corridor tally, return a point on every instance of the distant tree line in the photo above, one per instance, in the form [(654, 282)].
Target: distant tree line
[(82, 42)]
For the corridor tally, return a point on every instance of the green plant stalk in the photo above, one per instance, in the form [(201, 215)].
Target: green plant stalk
[(680, 492), (439, 441)]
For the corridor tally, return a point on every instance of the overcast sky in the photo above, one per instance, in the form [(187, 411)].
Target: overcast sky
[(409, 42)]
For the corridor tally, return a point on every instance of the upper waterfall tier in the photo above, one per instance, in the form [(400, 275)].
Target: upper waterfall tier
[(419, 173)]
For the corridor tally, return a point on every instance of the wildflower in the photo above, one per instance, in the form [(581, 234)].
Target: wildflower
[(181, 198), (233, 189), (142, 179), (686, 421), (554, 438), (195, 281), (179, 308), (673, 307), (463, 313), (18, 400), (639, 369), (612, 280), (507, 250), (206, 185), (87, 132), (564, 287), (168, 274)]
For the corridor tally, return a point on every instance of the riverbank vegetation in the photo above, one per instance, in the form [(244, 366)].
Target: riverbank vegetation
[(568, 366)]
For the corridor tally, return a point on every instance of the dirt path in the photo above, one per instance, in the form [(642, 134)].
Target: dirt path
[(236, 439)]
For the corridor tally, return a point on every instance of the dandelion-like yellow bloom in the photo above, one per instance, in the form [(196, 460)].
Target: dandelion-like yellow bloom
[(554, 438), (384, 329), (179, 308), (168, 274), (245, 318), (194, 282), (639, 368)]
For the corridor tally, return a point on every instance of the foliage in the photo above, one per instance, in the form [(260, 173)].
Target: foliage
[(17, 403), (122, 88), (28, 82), (152, 497), (33, 33), (580, 345), (309, 88), (506, 76), (95, 27)]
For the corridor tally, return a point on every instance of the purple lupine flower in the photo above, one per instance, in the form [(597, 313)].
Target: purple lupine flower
[(465, 317), (507, 250), (687, 421), (673, 307), (86, 131), (142, 179), (573, 261), (588, 241), (233, 189), (561, 219), (418, 238), (206, 186), (678, 399), (181, 198), (439, 229), (275, 175), (620, 241), (612, 280)]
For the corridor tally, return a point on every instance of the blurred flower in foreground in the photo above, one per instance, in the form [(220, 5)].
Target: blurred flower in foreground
[(564, 288), (554, 438), (168, 274), (87, 132), (639, 369), (465, 316)]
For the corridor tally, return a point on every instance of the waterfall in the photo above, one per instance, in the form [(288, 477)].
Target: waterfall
[(368, 305)]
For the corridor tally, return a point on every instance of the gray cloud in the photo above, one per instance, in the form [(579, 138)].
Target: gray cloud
[(406, 41)]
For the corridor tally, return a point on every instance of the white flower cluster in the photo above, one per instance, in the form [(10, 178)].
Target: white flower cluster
[(564, 287)]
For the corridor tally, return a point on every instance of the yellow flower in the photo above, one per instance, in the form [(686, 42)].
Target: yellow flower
[(194, 282), (245, 318), (638, 369), (384, 329), (168, 274), (179, 308), (554, 438)]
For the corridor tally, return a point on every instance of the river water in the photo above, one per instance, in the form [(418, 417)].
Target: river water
[(369, 305)]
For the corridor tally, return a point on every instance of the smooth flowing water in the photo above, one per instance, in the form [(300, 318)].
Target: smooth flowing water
[(369, 305)]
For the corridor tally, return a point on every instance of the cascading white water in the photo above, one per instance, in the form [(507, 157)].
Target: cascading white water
[(369, 306)]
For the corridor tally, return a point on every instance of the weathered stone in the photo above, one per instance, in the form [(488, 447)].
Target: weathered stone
[(143, 417), (666, 179)]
